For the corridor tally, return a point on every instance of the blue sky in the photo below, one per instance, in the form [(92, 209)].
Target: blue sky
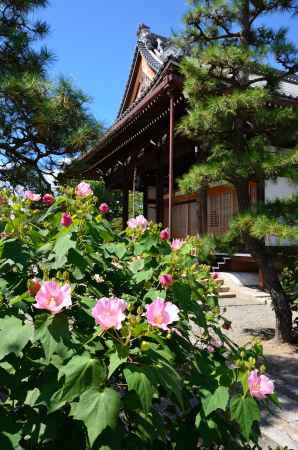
[(94, 42)]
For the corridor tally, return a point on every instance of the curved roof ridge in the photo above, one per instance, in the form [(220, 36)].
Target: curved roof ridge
[(151, 46)]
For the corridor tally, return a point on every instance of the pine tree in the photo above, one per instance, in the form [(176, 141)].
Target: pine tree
[(246, 130), (41, 122)]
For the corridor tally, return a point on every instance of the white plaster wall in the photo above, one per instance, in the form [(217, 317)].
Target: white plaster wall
[(281, 188)]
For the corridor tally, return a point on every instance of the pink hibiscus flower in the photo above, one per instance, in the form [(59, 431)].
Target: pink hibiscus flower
[(138, 222), (177, 244), (160, 314), (259, 385), (109, 312), (83, 189), (216, 342), (29, 195), (53, 297)]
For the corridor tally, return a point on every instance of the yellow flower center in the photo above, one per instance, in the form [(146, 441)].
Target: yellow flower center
[(158, 318), (52, 301)]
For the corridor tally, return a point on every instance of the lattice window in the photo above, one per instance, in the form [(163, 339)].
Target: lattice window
[(253, 192)]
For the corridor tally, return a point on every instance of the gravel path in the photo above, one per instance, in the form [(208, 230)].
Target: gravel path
[(256, 319), (248, 319)]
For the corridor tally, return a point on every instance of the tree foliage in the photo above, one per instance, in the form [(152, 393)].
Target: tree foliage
[(41, 122), (247, 130)]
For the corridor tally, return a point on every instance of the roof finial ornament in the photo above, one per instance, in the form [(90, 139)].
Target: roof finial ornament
[(143, 31)]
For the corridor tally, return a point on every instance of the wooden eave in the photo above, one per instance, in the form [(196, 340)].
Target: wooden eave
[(134, 125)]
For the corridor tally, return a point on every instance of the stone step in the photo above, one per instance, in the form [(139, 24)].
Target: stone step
[(226, 295), (224, 288)]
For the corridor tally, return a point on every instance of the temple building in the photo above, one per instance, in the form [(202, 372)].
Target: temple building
[(143, 151)]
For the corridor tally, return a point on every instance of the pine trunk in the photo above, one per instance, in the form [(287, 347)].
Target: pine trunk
[(258, 249)]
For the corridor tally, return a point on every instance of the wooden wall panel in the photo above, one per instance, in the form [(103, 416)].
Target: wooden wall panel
[(221, 206)]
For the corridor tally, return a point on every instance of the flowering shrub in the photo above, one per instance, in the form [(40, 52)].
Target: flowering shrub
[(115, 342)]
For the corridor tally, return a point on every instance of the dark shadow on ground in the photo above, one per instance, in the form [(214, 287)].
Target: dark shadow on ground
[(263, 333), (284, 371)]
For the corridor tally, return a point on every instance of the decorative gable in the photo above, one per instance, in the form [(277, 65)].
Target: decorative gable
[(141, 78), (151, 53)]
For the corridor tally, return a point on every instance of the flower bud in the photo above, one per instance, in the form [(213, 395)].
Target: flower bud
[(166, 280), (33, 286), (145, 345), (48, 199), (66, 220), (164, 234), (104, 208), (140, 310)]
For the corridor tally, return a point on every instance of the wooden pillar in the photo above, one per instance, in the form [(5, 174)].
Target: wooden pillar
[(125, 199), (159, 185), (171, 163), (145, 199), (203, 210)]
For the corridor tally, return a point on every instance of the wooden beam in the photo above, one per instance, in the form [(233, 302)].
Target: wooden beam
[(159, 184), (171, 161), (145, 199), (125, 199)]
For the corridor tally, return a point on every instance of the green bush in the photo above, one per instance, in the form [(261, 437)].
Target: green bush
[(289, 280), (167, 382)]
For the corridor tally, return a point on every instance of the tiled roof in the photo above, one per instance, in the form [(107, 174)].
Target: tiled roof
[(156, 50), (155, 82), (160, 53)]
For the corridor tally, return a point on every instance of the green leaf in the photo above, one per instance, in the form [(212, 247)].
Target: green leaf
[(97, 231), (218, 400), (162, 372), (116, 359), (14, 335), (154, 293), (54, 335), (10, 432), (245, 411), (87, 304), (198, 420), (117, 249), (146, 245), (25, 297), (79, 262), (14, 251), (139, 382), (32, 397), (182, 293), (81, 373), (137, 265), (243, 377), (144, 275), (98, 410), (61, 249)]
